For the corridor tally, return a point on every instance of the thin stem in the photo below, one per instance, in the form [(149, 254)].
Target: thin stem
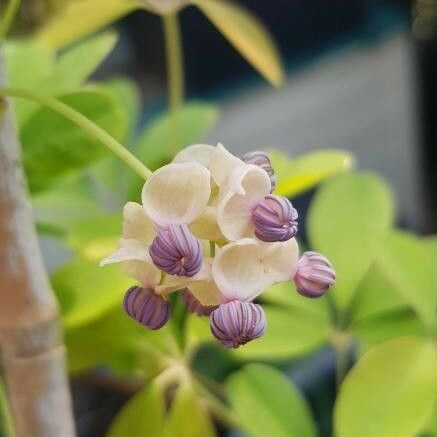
[(341, 344), (87, 125), (6, 427), (10, 12), (212, 249), (175, 74)]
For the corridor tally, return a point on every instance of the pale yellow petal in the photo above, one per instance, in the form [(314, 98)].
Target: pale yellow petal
[(177, 193), (136, 224), (200, 153)]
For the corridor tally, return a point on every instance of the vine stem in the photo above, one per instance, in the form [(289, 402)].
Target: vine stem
[(87, 125), (10, 12), (175, 74), (341, 343)]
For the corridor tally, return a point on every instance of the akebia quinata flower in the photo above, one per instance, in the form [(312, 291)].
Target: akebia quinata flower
[(209, 228), (314, 275)]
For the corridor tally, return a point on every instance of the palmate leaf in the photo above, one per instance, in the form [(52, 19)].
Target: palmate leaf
[(54, 146), (389, 392), (290, 332), (188, 417), (404, 261), (247, 34), (81, 17), (348, 219), (268, 404), (74, 65), (297, 175), (85, 291), (143, 414)]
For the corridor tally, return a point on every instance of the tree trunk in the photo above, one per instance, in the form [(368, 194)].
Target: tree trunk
[(33, 356)]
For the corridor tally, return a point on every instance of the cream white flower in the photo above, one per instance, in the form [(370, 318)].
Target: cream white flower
[(176, 193), (245, 268)]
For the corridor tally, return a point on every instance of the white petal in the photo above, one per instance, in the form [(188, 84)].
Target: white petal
[(238, 270), (177, 193), (247, 187), (280, 259), (201, 285), (222, 164), (200, 153), (129, 250), (136, 262), (136, 224), (206, 227)]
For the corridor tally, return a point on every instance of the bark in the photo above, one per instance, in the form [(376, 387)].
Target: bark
[(33, 356)]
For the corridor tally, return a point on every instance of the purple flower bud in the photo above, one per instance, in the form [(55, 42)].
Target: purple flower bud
[(176, 251), (236, 323), (261, 160), (314, 275), (194, 306), (275, 219), (146, 307)]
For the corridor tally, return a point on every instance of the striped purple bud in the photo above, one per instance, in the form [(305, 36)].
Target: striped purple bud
[(194, 306), (275, 219), (261, 160), (146, 307), (314, 275), (176, 251), (235, 323)]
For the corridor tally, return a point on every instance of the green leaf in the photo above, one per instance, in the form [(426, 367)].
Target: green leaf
[(54, 146), (294, 176), (404, 261), (86, 291), (81, 17), (110, 171), (385, 326), (142, 415), (268, 404), (389, 392), (96, 237), (70, 200), (75, 64), (375, 296), (285, 294), (188, 417), (247, 34), (19, 55), (117, 341), (347, 220), (153, 148), (290, 332)]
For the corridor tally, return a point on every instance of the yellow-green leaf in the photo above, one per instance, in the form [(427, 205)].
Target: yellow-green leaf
[(82, 17), (389, 392), (290, 332), (349, 217), (405, 263), (296, 175), (247, 34), (143, 415), (268, 404), (86, 291), (188, 417)]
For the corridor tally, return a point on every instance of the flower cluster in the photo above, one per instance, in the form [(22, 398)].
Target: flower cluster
[(210, 227)]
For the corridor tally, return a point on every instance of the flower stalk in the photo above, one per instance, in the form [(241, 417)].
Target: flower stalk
[(83, 122), (8, 18), (175, 75)]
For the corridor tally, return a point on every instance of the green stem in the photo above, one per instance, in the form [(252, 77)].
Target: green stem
[(87, 125), (6, 427), (341, 344), (10, 12), (175, 74)]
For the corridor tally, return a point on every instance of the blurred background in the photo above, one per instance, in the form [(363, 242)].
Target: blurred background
[(360, 76)]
